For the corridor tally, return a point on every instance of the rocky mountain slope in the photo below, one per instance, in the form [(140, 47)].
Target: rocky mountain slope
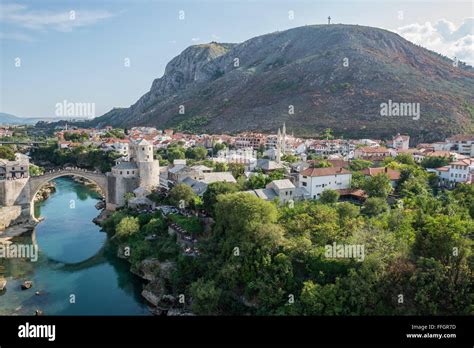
[(331, 76)]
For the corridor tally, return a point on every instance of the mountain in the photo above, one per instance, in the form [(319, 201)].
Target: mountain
[(9, 119), (333, 76)]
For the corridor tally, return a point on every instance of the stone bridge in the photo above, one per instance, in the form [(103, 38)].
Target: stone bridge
[(23, 190)]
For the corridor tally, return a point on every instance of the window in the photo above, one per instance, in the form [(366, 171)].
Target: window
[(304, 184), (128, 172), (120, 172), (305, 177)]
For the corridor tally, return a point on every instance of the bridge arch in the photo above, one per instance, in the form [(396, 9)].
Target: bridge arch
[(36, 182)]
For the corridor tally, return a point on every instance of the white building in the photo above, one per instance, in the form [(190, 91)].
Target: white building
[(401, 142), (245, 156), (121, 146), (461, 171), (462, 144), (283, 189), (316, 180)]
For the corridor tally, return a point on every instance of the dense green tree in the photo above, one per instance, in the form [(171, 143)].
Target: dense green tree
[(378, 186), (374, 206), (237, 169), (358, 165), (434, 162), (329, 196), (256, 181), (6, 152), (127, 227), (213, 190), (182, 193), (205, 297), (405, 158)]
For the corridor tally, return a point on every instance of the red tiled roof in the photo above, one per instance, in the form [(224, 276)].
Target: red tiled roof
[(391, 173), (324, 171)]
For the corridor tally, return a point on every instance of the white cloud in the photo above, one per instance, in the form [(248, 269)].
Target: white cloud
[(66, 20), (444, 37), (195, 39)]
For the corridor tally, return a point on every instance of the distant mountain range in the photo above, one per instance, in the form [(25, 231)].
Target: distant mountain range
[(8, 119), (312, 78)]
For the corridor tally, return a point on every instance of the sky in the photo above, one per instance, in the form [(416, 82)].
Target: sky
[(108, 52)]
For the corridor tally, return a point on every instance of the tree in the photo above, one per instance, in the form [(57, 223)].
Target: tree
[(128, 196), (358, 165), (256, 181), (213, 190), (378, 186), (205, 297), (180, 194), (175, 153), (6, 152), (35, 170), (218, 147), (347, 210), (127, 227), (329, 196), (322, 164), (221, 167), (277, 174), (405, 158), (289, 158), (374, 206), (198, 153), (237, 169), (434, 162)]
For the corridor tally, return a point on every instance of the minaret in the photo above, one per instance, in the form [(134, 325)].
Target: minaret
[(329, 20), (278, 149), (283, 144)]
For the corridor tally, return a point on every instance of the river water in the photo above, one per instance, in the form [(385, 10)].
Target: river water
[(77, 271)]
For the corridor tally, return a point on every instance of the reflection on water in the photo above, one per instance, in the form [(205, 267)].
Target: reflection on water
[(75, 258)]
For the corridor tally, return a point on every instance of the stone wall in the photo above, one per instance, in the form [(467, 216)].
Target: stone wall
[(8, 215)]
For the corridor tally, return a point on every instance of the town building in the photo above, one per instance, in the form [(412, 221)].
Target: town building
[(372, 153), (316, 180), (461, 171), (400, 142), (283, 190), (17, 169), (462, 144)]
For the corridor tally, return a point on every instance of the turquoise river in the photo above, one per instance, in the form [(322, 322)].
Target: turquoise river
[(77, 271)]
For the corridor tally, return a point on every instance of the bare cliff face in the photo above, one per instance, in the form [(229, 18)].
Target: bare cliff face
[(312, 78)]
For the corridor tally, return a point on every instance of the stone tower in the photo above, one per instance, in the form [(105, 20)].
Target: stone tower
[(148, 168)]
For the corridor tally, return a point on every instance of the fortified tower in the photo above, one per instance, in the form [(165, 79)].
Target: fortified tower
[(148, 168)]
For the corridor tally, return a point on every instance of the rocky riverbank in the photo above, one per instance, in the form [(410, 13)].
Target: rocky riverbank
[(87, 183), (44, 192), (158, 274)]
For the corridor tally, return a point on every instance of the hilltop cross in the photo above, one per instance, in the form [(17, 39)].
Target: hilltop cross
[(329, 20)]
